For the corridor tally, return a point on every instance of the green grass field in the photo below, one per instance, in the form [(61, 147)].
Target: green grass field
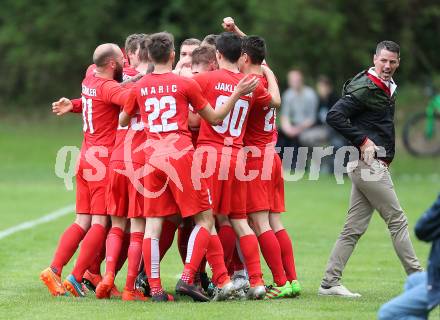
[(316, 211)]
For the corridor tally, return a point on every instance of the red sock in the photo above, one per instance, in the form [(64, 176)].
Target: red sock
[(251, 255), (134, 258), (270, 248), (124, 252), (215, 257), (287, 254), (227, 238), (67, 246), (113, 246), (95, 267), (236, 263), (90, 249), (183, 233), (150, 251), (166, 237), (197, 244)]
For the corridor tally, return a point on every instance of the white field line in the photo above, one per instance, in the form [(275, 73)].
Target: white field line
[(33, 223)]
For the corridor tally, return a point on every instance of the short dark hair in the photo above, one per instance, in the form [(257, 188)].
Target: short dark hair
[(389, 46), (322, 78), (132, 42), (191, 42), (210, 39), (143, 48), (255, 48), (203, 55), (229, 45), (160, 46)]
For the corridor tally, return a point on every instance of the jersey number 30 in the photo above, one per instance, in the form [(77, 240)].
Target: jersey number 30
[(235, 118)]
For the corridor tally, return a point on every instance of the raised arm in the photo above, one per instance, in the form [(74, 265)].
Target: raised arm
[(230, 26), (273, 88)]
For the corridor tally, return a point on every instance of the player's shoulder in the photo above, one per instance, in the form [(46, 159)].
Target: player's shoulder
[(90, 69), (360, 86), (106, 85)]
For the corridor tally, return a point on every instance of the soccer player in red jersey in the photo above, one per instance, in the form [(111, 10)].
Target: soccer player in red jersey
[(101, 97), (203, 59), (138, 58), (163, 98), (227, 190), (265, 193), (124, 201)]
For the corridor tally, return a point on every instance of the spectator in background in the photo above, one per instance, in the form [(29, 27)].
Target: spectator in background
[(422, 289), (327, 98), (298, 114)]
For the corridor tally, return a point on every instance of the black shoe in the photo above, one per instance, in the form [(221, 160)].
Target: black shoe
[(204, 279), (183, 288), (88, 284), (163, 297), (142, 284)]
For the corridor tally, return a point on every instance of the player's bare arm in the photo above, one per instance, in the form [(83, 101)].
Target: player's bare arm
[(133, 79), (193, 119), (230, 26), (244, 87), (273, 88)]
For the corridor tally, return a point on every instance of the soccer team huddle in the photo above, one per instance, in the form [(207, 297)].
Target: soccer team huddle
[(188, 149)]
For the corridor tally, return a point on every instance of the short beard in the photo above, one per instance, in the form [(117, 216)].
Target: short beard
[(118, 75)]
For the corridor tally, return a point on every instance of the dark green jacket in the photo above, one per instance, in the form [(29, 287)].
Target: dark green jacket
[(365, 110)]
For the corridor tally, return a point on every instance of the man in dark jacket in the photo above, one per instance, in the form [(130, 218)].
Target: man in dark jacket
[(365, 116), (422, 289)]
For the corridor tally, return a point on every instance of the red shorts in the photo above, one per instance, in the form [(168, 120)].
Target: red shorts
[(169, 188), (91, 188), (228, 192), (123, 200), (266, 191)]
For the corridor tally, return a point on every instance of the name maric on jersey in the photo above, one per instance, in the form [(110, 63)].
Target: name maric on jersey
[(221, 86), (158, 89), (89, 91)]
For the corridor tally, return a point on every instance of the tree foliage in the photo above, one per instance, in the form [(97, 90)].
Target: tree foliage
[(46, 45)]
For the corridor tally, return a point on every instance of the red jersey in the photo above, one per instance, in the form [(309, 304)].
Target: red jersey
[(217, 86), (101, 100), (132, 137), (261, 129), (128, 72), (164, 101)]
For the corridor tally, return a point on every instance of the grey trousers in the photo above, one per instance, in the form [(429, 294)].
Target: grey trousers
[(372, 188)]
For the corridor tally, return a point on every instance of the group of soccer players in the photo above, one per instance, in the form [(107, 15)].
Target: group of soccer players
[(190, 149)]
